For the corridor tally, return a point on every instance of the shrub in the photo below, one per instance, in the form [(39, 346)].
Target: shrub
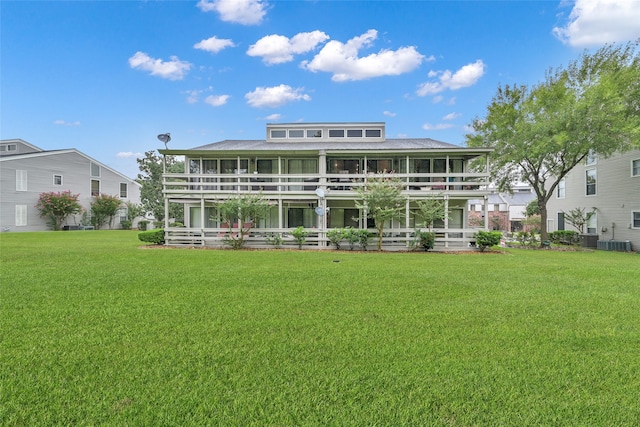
[(424, 239), (275, 239), (155, 236), (487, 239), (363, 238), (143, 224), (336, 236), (125, 224), (103, 208), (527, 238), (565, 237), (352, 236), (300, 236)]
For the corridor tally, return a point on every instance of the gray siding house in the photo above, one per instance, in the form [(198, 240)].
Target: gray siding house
[(611, 187), (26, 171)]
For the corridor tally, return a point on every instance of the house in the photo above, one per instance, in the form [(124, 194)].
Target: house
[(506, 210), (26, 171), (309, 173), (609, 187)]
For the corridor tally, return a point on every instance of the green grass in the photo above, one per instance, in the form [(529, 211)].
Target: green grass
[(96, 331)]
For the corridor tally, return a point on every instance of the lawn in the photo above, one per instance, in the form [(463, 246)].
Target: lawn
[(95, 330)]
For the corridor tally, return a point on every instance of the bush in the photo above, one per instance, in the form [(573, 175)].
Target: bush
[(363, 238), (155, 236), (300, 236), (351, 234), (424, 239), (527, 238), (275, 239), (125, 224), (336, 236), (56, 207), (565, 237), (143, 224), (487, 239)]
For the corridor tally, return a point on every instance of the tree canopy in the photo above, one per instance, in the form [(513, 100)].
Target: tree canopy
[(150, 178), (543, 131)]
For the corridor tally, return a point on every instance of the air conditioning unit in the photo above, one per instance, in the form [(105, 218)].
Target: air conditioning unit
[(614, 245)]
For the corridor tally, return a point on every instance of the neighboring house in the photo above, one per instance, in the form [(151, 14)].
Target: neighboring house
[(310, 172), (611, 187), (26, 171), (506, 211)]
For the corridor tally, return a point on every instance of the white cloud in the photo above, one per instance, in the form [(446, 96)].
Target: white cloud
[(439, 126), (174, 69), (275, 96), (276, 49), (127, 154), (451, 116), (597, 22), (214, 44), (273, 117), (65, 123), (343, 61), (389, 114), (246, 12), (216, 100), (466, 76)]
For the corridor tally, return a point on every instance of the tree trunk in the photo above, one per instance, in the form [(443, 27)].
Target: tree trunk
[(544, 235)]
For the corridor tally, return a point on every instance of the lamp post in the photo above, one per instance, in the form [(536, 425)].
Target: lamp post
[(165, 137)]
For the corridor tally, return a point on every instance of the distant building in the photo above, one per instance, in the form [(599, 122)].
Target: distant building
[(506, 211), (26, 171), (611, 187), (310, 174)]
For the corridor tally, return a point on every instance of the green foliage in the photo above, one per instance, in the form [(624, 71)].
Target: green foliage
[(382, 199), (275, 239), (352, 236), (243, 210), (542, 132), (299, 236), (578, 218), (532, 209), (155, 236), (487, 239), (336, 236), (424, 239), (565, 237), (527, 238), (125, 224), (134, 211), (143, 224), (150, 178), (57, 206), (364, 236), (431, 210), (103, 208)]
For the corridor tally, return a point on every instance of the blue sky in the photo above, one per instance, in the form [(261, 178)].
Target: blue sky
[(106, 77)]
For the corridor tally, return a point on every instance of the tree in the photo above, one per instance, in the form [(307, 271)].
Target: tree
[(243, 210), (578, 218), (431, 210), (57, 206), (103, 208), (150, 178), (382, 199), (540, 133)]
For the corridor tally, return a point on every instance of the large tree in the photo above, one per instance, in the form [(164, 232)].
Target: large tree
[(542, 132), (150, 177)]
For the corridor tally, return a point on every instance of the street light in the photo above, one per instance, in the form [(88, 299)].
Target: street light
[(165, 137)]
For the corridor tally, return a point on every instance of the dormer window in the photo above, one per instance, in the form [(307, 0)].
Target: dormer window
[(336, 133)]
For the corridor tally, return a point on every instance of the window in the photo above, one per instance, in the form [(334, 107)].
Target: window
[(21, 215), (635, 167), (336, 133), (278, 134), (95, 187), (314, 133), (21, 180), (591, 182), (561, 190), (123, 189), (57, 179), (8, 147), (296, 133), (635, 219), (354, 133), (373, 133), (560, 220), (95, 169), (591, 159)]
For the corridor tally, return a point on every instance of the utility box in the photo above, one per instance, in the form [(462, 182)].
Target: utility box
[(589, 240)]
